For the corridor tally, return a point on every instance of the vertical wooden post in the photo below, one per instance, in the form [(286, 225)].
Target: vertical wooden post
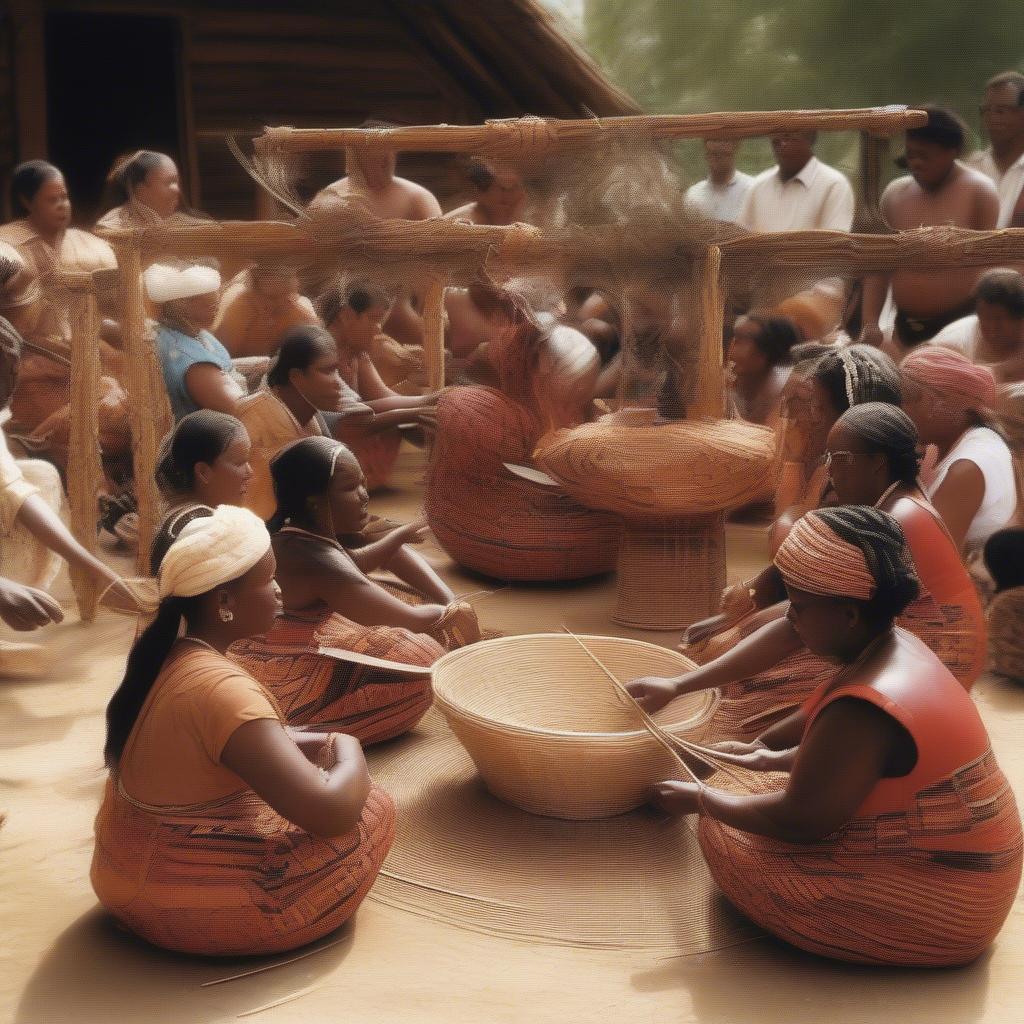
[(433, 334), (709, 386), (145, 402), (85, 468), (874, 162)]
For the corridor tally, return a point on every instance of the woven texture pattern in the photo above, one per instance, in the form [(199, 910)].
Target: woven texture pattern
[(496, 523), (311, 688), (233, 878), (538, 716), (928, 887)]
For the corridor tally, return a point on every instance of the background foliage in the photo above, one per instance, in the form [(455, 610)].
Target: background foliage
[(677, 56)]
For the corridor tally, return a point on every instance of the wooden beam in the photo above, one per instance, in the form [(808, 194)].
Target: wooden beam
[(433, 334), (708, 389), (454, 248), (144, 402), (85, 467), (524, 134)]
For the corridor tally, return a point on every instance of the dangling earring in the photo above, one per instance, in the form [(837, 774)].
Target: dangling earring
[(226, 615)]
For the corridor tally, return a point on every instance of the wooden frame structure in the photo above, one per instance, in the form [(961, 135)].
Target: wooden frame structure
[(447, 252)]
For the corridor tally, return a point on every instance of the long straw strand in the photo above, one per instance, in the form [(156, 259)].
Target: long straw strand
[(712, 758)]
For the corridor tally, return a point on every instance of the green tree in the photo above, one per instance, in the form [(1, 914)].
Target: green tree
[(676, 56)]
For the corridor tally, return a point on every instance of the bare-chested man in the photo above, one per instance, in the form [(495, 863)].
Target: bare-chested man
[(500, 195), (938, 190), (371, 180)]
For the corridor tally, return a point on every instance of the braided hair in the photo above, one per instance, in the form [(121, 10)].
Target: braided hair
[(880, 538), (857, 374), (888, 430)]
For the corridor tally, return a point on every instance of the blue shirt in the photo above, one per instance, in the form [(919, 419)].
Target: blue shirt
[(178, 354)]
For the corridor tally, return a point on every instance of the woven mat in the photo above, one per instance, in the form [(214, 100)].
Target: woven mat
[(466, 858)]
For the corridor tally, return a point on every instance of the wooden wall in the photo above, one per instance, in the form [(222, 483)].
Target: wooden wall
[(250, 63), (8, 143), (249, 69)]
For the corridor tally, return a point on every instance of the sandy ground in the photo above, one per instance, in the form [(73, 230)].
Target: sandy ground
[(62, 961)]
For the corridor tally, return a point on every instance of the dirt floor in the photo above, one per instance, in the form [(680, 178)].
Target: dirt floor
[(62, 961)]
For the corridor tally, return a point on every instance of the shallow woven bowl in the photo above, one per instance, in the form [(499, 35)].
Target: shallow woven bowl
[(548, 731), (624, 465)]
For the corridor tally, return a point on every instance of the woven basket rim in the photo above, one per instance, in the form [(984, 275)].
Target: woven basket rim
[(639, 735)]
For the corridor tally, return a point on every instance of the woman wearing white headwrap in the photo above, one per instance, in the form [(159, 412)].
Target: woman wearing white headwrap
[(197, 367), (223, 832)]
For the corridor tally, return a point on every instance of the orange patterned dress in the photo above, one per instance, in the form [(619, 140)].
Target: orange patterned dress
[(926, 871), (193, 860), (494, 522)]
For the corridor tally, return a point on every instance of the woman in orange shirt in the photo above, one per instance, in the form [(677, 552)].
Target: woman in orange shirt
[(262, 837)]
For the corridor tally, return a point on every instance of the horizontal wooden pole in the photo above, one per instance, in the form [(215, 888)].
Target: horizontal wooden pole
[(532, 133), (454, 248)]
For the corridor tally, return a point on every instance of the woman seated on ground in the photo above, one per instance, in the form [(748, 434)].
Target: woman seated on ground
[(203, 463), (994, 334), (822, 386), (500, 195), (49, 246), (895, 838), (330, 601), (197, 368), (485, 516), (873, 458), (758, 356), (972, 486), (306, 396), (258, 307), (354, 314), (262, 837)]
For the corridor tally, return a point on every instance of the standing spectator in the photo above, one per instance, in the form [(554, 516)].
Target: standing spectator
[(720, 195), (938, 190), (1002, 114), (800, 193)]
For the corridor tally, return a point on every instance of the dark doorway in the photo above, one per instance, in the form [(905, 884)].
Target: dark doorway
[(113, 86)]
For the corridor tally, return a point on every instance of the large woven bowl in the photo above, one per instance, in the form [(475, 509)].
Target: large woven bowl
[(548, 731), (623, 464)]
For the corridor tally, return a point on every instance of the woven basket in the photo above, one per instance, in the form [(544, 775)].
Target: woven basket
[(547, 730)]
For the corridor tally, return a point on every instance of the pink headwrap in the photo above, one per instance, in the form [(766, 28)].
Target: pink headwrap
[(952, 376)]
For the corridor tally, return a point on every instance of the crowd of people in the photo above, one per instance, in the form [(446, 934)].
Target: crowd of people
[(294, 627)]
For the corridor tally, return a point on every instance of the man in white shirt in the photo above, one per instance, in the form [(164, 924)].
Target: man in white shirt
[(800, 193), (994, 335), (1002, 114), (720, 195)]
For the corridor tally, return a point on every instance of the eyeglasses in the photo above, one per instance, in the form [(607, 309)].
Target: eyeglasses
[(841, 456)]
